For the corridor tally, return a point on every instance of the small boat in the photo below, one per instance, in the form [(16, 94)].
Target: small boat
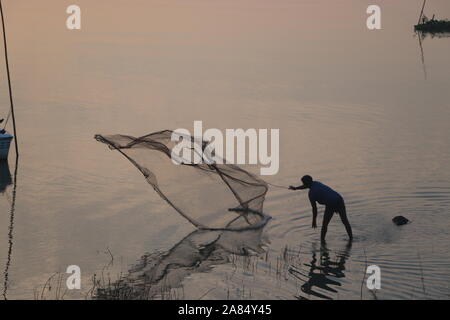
[(5, 142), (433, 26)]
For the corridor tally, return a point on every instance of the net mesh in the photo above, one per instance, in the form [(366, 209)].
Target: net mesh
[(207, 194)]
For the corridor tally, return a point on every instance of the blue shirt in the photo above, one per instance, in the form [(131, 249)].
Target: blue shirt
[(323, 194)]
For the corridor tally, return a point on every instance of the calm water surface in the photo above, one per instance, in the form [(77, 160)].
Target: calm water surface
[(353, 107)]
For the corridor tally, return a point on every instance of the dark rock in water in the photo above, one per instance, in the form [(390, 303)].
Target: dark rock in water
[(400, 220)]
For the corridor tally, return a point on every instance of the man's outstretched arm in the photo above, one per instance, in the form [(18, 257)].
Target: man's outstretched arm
[(297, 188)]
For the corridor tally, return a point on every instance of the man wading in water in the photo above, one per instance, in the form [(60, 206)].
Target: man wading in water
[(332, 200)]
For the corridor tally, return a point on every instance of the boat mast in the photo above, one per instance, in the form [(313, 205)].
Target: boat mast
[(9, 79), (421, 12)]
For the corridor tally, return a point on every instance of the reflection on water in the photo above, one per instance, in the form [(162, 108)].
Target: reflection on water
[(156, 274), (5, 181), (421, 36), (323, 271), (5, 176), (433, 35)]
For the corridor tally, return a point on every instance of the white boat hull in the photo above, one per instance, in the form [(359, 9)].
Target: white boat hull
[(5, 143)]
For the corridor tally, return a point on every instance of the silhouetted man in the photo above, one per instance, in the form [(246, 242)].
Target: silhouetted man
[(333, 201)]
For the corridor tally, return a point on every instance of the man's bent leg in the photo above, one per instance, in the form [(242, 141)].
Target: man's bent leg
[(326, 220), (343, 214)]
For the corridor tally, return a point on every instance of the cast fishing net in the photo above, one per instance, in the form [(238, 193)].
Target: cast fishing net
[(210, 195)]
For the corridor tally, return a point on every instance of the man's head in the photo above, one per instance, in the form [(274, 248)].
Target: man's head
[(307, 181)]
